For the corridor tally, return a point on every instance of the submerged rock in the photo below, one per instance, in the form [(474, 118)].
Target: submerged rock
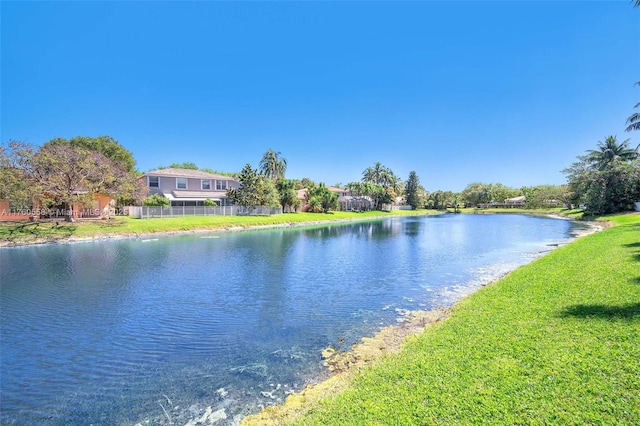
[(343, 364), (209, 417)]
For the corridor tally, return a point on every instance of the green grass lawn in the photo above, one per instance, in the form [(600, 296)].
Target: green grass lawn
[(555, 342), (58, 230)]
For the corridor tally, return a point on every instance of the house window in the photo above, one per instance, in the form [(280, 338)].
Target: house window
[(154, 181), (221, 185), (206, 184), (181, 183)]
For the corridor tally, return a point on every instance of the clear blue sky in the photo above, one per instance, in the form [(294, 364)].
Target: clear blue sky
[(498, 92)]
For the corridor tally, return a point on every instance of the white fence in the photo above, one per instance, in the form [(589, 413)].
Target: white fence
[(390, 207), (147, 212)]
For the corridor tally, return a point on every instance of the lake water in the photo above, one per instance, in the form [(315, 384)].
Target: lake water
[(153, 330)]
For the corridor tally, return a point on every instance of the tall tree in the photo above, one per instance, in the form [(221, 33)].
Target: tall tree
[(273, 165), (383, 178), (395, 186), (15, 162), (412, 190), (546, 196), (254, 190), (611, 153), (61, 174), (267, 193), (247, 194), (606, 180), (106, 145), (288, 194), (363, 195), (305, 183), (378, 174)]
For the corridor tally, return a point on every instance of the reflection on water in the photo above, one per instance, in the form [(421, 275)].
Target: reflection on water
[(143, 331)]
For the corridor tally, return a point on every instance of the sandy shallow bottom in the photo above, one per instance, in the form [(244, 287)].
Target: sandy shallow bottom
[(344, 364)]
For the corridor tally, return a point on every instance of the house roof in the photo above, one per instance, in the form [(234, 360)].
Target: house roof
[(336, 189), (186, 173)]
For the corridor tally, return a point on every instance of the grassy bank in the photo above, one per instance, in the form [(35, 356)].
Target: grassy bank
[(58, 230), (554, 342)]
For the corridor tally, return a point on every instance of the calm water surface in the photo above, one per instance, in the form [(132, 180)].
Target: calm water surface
[(152, 330)]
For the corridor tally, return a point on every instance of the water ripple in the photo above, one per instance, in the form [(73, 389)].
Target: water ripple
[(120, 332)]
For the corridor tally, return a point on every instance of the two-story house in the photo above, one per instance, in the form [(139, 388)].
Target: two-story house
[(184, 187)]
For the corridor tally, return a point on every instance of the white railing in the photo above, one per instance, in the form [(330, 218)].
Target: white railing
[(147, 212), (390, 207)]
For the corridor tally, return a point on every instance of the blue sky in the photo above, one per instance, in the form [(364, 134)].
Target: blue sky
[(498, 92)]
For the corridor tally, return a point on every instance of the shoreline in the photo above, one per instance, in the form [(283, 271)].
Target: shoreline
[(107, 236), (344, 364), (387, 341)]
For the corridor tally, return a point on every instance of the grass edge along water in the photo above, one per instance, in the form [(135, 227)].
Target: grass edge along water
[(554, 342)]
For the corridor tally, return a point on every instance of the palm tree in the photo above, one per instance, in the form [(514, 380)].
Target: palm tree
[(611, 153), (378, 174), (634, 121), (273, 165)]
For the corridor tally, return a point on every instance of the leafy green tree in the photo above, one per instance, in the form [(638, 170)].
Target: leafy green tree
[(267, 193), (385, 184), (105, 145), (377, 193), (435, 200), (59, 173), (322, 199), (477, 193), (501, 192), (217, 172), (611, 190), (456, 202), (441, 200), (118, 155), (481, 193), (209, 203), (395, 188), (14, 179), (610, 153), (287, 194), (412, 190), (247, 194), (606, 180), (273, 165), (156, 200), (184, 165), (305, 183), (544, 196), (254, 190)]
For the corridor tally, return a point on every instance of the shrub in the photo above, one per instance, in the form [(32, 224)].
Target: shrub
[(156, 200)]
